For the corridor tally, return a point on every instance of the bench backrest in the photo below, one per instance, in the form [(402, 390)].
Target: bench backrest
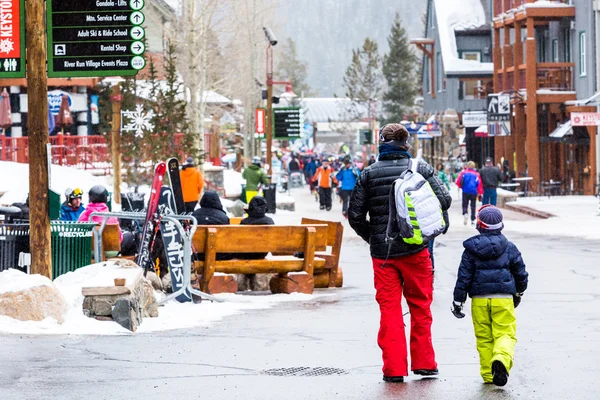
[(259, 238), (335, 230)]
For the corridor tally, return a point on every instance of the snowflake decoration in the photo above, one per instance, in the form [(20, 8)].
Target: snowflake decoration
[(140, 121), (6, 46)]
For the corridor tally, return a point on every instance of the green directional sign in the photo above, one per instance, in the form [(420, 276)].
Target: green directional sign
[(12, 39), (89, 38)]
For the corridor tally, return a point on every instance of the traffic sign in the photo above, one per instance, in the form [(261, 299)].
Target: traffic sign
[(288, 123), (95, 37), (498, 108), (12, 39)]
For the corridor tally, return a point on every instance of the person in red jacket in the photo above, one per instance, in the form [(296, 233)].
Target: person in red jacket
[(324, 177), (472, 187)]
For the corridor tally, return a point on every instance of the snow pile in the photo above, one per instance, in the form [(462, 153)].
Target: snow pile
[(172, 315), (13, 280), (576, 216), (15, 181), (459, 15), (233, 182), (546, 4)]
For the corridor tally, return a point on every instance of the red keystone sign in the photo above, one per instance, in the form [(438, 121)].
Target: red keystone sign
[(585, 119), (260, 121)]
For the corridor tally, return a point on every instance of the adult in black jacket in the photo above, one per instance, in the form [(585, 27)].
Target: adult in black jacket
[(397, 265), (257, 210), (490, 177), (211, 213)]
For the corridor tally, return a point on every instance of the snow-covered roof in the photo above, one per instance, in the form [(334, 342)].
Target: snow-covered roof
[(143, 89), (546, 4), (330, 109), (460, 15)]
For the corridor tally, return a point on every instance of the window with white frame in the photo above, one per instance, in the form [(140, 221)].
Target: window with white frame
[(582, 55), (471, 87)]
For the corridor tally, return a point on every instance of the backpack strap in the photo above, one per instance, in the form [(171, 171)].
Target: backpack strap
[(392, 213)]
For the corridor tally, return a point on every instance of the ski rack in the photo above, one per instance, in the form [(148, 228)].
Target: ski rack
[(187, 247)]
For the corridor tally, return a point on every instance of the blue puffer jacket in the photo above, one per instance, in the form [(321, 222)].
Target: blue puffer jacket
[(348, 177), (69, 214), (490, 265)]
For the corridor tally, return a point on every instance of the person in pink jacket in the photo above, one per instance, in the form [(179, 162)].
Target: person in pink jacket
[(98, 199)]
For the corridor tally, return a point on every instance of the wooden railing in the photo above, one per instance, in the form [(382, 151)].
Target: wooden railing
[(555, 76)]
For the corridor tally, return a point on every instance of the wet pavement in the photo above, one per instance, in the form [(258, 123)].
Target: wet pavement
[(556, 356)]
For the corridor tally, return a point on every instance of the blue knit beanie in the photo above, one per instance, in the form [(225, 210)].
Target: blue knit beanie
[(489, 219)]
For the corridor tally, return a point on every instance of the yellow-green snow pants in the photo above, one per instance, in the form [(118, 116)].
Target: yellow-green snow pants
[(495, 326)]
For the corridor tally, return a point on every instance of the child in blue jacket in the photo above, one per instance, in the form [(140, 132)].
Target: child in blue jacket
[(493, 274)]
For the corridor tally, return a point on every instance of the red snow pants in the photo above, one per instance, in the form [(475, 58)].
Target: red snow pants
[(414, 275)]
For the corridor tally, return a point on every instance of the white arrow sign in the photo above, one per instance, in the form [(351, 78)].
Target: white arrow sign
[(493, 107)]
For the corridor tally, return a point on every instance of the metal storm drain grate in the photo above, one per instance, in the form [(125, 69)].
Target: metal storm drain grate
[(304, 371)]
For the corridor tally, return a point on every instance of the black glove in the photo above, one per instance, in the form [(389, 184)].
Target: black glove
[(457, 310), (517, 299)]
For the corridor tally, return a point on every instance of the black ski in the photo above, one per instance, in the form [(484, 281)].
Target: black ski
[(175, 179)]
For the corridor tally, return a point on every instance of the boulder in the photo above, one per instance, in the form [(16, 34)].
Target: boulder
[(166, 283), (154, 280), (148, 302), (126, 312), (30, 297), (123, 263)]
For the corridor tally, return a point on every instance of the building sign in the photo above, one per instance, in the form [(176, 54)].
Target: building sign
[(365, 136), (474, 119), (498, 129), (585, 119), (12, 39), (95, 38), (498, 107), (260, 122), (288, 123)]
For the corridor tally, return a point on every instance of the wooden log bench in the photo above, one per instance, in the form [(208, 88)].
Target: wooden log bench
[(330, 275), (294, 274)]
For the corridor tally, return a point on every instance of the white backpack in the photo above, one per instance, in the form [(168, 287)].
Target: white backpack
[(415, 208)]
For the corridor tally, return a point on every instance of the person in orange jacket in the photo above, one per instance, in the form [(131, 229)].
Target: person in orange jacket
[(325, 176), (192, 183)]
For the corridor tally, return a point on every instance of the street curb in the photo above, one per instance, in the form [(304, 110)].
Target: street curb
[(528, 211)]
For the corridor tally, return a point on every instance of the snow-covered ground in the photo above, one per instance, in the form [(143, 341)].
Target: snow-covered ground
[(172, 315), (14, 181), (576, 216)]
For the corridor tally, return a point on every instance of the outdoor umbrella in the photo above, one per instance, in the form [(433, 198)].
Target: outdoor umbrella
[(5, 119), (64, 119)]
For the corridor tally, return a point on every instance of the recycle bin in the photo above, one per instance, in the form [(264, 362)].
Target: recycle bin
[(14, 241), (71, 246)]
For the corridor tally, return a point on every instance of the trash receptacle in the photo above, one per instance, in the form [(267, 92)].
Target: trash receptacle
[(14, 240), (71, 246), (269, 193)]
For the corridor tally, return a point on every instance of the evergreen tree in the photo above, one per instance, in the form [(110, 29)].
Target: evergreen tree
[(292, 69), (399, 67), (362, 80)]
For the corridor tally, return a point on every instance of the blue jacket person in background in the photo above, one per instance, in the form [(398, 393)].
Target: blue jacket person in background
[(72, 208), (348, 176)]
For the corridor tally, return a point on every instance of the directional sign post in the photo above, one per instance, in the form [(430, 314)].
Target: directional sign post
[(95, 38), (12, 39), (288, 123), (365, 136)]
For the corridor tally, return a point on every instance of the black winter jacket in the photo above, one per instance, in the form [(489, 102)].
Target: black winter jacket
[(211, 211), (490, 265), (490, 177), (371, 196), (256, 216)]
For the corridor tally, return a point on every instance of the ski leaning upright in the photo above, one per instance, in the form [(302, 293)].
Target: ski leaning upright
[(143, 258), (175, 179)]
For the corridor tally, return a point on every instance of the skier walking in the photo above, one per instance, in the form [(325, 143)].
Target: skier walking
[(470, 183), (399, 267), (72, 208), (254, 176), (325, 178), (491, 176), (192, 184), (493, 274), (347, 176)]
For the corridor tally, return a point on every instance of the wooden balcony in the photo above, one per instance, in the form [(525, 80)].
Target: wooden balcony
[(548, 12), (550, 76)]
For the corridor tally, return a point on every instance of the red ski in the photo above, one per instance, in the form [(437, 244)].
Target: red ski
[(143, 258)]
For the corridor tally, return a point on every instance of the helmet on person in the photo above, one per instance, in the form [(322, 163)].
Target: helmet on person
[(256, 161), (98, 194), (71, 194)]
